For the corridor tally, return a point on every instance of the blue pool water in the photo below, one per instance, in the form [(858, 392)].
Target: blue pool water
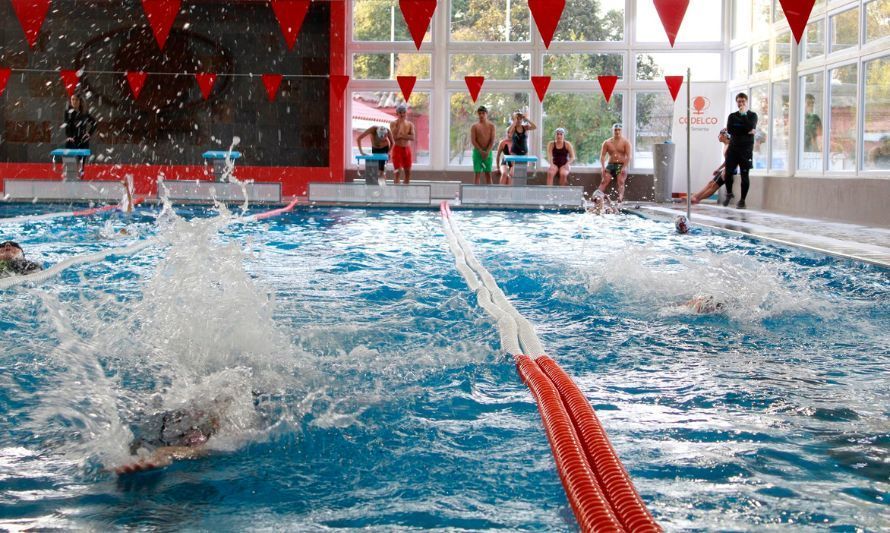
[(366, 389)]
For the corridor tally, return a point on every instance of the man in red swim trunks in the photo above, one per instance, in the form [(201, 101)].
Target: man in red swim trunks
[(403, 132)]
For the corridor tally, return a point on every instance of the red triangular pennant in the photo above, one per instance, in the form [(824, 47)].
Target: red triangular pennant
[(290, 15), (674, 83), (671, 13), (161, 14), (137, 80), (547, 14), (474, 84), (798, 14), (541, 84), (418, 14), (406, 84), (31, 14), (205, 82), (4, 77), (607, 84), (338, 84), (70, 78), (272, 81)]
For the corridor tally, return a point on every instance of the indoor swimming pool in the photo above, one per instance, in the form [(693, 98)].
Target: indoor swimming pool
[(359, 384)]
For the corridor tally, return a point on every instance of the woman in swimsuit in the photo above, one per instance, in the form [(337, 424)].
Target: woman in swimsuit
[(561, 153)]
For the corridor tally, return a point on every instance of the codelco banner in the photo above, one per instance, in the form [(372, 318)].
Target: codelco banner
[(708, 117)]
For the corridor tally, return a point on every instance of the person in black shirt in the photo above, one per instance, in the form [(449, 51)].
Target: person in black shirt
[(741, 127), (79, 124)]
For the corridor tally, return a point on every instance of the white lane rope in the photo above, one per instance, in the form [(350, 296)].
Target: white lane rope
[(517, 333), (58, 268)]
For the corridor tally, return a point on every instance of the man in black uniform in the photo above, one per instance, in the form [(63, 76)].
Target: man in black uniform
[(741, 126)]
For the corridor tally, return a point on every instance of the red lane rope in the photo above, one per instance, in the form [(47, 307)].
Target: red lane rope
[(276, 212), (96, 210), (592, 509), (611, 475)]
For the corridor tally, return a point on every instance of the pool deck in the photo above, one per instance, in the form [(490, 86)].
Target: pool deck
[(851, 241)]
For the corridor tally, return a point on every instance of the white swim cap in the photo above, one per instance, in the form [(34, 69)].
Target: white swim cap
[(382, 131), (681, 224)]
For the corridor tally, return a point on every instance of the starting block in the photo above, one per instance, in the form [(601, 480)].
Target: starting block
[(520, 167), (221, 161), (72, 161), (372, 167)]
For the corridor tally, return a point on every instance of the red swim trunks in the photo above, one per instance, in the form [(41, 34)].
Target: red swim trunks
[(401, 157)]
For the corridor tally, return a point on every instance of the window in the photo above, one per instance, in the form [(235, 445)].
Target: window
[(845, 30), (494, 20), (842, 121), (388, 66), (783, 49), (591, 20), (380, 20), (741, 19), (705, 66), (760, 105), (463, 116), (760, 57), (654, 118), (378, 109), (877, 20), (814, 40), (810, 145), (583, 66), (587, 119), (492, 66), (708, 23), (761, 17), (876, 138), (740, 64), (781, 128)]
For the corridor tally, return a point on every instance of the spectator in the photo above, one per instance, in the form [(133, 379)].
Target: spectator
[(741, 125), (561, 154), (13, 262), (79, 126), (382, 142), (812, 127), (482, 135), (719, 177), (518, 133), (403, 134), (618, 151)]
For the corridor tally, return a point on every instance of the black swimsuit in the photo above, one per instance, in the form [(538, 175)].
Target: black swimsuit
[(520, 142), (560, 155)]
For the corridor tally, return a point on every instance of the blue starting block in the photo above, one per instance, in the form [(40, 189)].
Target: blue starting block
[(72, 161), (372, 167), (520, 167), (220, 160)]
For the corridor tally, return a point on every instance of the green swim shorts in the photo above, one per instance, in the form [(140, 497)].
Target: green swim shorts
[(614, 169), (480, 165)]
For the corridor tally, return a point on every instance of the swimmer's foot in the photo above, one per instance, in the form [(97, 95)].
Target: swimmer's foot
[(728, 198)]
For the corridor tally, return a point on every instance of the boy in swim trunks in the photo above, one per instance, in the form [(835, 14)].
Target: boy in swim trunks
[(616, 150), (482, 135), (403, 134)]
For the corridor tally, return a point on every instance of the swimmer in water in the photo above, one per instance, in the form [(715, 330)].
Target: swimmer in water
[(174, 435), (13, 262), (705, 305), (681, 224)]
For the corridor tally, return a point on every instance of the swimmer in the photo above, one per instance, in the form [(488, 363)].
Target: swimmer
[(705, 305), (681, 224), (13, 262), (382, 142), (562, 155), (617, 151), (719, 174), (600, 204), (174, 435)]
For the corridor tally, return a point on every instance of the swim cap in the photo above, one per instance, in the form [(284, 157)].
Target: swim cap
[(401, 108), (382, 131), (681, 224), (560, 130), (617, 126)]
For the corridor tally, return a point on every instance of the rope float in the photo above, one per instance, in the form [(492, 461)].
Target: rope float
[(597, 485)]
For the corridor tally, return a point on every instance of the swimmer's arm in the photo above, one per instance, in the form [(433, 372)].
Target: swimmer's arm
[(390, 139), (603, 154), (571, 153), (161, 457), (630, 151), (550, 151), (474, 130), (410, 135), (359, 140)]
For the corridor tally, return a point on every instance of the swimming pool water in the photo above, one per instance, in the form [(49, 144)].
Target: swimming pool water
[(369, 390)]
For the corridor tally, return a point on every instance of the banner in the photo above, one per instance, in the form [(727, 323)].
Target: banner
[(709, 114)]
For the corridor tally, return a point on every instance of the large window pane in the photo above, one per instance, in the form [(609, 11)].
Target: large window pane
[(845, 30), (814, 40), (587, 119), (760, 105), (760, 57), (842, 138), (877, 114), (741, 19), (761, 15), (877, 20), (490, 20), (778, 12), (813, 99), (740, 64), (379, 20), (591, 20), (492, 66), (781, 125), (654, 66), (583, 66), (655, 114), (388, 66), (463, 116), (783, 49), (705, 25), (378, 109)]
